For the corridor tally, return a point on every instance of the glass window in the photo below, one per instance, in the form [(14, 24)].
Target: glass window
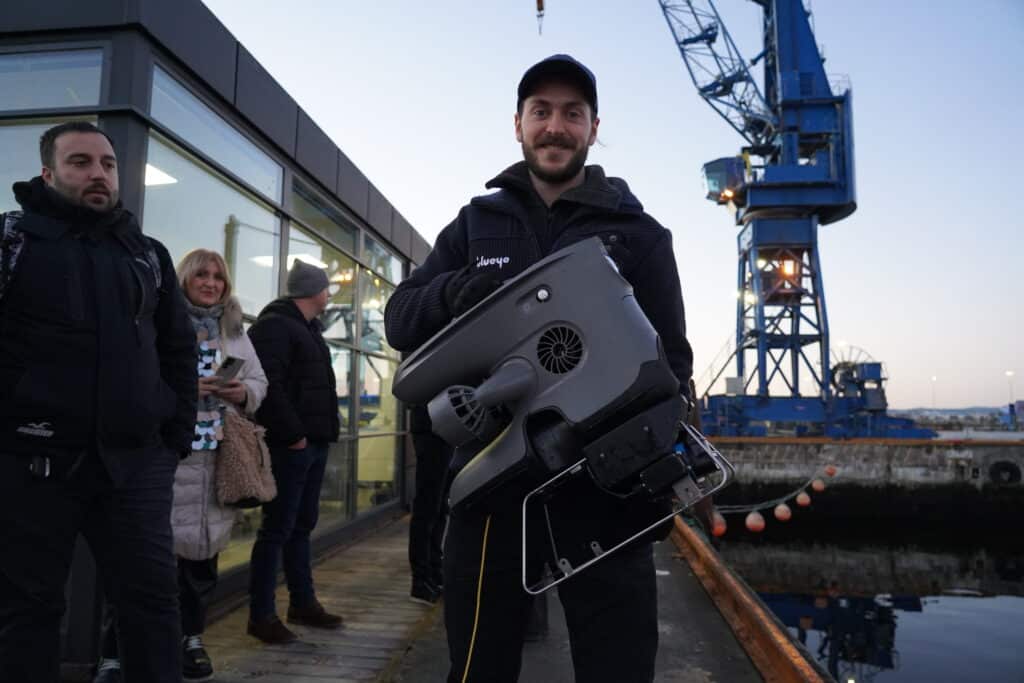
[(181, 111), (19, 160), (341, 360), (243, 535), (336, 488), (323, 218), (375, 471), (45, 80), (335, 493), (382, 261), (339, 318), (188, 206), (373, 296), (378, 407)]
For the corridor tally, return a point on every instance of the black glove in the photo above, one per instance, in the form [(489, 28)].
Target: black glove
[(466, 289)]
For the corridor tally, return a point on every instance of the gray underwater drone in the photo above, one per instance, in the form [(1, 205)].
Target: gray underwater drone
[(559, 377)]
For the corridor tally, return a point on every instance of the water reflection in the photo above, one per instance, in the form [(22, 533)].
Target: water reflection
[(853, 637), (916, 607)]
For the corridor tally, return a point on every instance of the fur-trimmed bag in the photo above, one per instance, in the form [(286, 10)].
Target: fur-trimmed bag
[(243, 476)]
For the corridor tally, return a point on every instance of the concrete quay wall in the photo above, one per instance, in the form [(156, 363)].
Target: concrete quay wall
[(876, 462), (872, 570)]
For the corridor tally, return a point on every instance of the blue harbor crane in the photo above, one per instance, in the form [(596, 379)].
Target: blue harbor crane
[(794, 174)]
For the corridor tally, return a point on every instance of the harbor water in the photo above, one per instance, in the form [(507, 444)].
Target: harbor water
[(890, 599)]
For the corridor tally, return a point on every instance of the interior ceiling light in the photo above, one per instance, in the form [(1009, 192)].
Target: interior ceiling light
[(154, 176), (305, 258), (268, 261)]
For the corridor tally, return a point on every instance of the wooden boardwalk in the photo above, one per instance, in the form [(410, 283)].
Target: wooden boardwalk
[(695, 644), (368, 584), (388, 639)]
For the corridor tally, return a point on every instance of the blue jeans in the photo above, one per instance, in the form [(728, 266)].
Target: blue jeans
[(288, 521), (129, 531)]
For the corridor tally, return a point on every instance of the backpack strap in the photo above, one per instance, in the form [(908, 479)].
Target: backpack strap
[(142, 250), (12, 241)]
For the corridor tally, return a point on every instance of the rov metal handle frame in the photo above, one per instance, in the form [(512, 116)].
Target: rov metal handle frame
[(690, 490)]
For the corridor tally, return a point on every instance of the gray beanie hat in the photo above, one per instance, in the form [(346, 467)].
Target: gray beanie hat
[(305, 280)]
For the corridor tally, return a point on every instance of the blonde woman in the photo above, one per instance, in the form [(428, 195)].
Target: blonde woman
[(201, 526)]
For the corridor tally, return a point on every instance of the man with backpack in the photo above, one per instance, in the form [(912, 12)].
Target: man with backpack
[(97, 365)]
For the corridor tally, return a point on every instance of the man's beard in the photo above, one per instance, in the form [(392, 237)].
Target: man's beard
[(568, 172), (68, 193)]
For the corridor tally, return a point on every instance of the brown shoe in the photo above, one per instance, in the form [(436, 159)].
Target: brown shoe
[(271, 631), (313, 615)]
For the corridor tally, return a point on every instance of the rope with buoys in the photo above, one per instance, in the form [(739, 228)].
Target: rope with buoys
[(755, 521)]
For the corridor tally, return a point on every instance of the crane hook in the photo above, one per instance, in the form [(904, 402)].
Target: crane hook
[(540, 15)]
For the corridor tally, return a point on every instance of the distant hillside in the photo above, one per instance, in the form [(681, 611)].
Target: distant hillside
[(972, 411)]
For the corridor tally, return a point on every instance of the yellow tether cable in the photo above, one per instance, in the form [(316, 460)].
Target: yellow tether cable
[(479, 591)]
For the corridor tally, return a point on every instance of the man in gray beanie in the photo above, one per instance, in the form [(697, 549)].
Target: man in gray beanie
[(300, 413), (306, 281)]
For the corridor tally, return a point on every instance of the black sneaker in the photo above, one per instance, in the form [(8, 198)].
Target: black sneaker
[(195, 663), (109, 671), (424, 593)]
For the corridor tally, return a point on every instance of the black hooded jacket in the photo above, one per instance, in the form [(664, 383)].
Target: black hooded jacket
[(93, 354), (512, 229), (302, 399)]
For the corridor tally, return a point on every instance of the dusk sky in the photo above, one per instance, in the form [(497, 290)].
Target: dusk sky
[(925, 276)]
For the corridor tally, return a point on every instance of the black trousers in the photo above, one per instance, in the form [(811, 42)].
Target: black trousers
[(429, 507), (611, 608), (196, 581), (129, 532)]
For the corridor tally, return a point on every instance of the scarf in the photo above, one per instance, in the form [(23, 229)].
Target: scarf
[(210, 410)]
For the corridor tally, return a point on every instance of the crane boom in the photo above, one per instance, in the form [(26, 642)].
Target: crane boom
[(718, 70), (799, 133)]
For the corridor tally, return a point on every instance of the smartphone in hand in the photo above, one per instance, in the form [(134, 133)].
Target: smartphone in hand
[(229, 368)]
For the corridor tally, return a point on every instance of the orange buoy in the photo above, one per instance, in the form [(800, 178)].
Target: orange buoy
[(830, 470), (782, 512), (755, 522), (802, 499), (818, 485), (718, 525)]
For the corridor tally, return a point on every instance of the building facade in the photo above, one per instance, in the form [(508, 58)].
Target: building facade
[(214, 153)]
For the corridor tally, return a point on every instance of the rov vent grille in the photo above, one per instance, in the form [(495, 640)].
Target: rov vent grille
[(472, 415), (559, 349)]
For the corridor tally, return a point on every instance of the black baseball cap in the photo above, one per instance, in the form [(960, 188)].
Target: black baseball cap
[(561, 67)]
